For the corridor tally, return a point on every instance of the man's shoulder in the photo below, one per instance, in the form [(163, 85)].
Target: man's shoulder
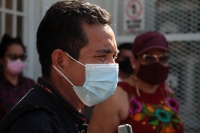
[(37, 121), (32, 118)]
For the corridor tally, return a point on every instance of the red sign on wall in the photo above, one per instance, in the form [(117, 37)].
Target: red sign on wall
[(134, 19), (134, 9)]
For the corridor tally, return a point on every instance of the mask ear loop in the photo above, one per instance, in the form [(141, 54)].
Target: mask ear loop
[(74, 59), (63, 75), (87, 97)]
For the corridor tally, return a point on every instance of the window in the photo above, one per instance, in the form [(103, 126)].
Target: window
[(11, 17)]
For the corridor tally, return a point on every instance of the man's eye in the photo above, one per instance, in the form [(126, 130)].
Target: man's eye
[(102, 56)]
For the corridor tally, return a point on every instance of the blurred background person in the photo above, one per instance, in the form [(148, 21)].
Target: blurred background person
[(13, 85), (142, 100), (123, 58)]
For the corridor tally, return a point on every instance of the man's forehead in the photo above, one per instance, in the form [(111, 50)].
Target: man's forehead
[(100, 38)]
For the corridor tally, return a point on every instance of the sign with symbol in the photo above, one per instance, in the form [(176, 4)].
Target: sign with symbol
[(134, 19)]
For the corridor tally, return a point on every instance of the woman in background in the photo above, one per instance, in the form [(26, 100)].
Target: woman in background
[(13, 85)]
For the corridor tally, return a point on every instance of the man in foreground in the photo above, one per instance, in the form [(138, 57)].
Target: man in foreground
[(77, 51)]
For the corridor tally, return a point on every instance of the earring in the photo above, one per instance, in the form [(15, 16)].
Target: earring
[(136, 86)]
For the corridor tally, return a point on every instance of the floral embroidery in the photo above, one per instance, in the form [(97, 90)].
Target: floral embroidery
[(166, 108), (150, 108), (138, 117), (135, 106), (172, 103), (167, 129), (162, 117)]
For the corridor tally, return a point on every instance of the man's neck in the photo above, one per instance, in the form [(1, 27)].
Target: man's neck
[(69, 96), (13, 79)]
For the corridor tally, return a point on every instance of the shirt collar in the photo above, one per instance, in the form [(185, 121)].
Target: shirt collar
[(78, 117)]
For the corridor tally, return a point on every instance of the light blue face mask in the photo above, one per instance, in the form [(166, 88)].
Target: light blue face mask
[(100, 83)]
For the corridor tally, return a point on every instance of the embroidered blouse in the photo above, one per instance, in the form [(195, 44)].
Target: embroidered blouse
[(152, 113)]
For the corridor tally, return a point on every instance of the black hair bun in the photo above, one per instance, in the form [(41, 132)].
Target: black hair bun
[(5, 39), (18, 40)]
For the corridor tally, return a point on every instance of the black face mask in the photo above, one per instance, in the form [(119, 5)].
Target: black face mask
[(125, 66)]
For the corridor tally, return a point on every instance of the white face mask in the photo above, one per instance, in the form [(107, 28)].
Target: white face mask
[(100, 83)]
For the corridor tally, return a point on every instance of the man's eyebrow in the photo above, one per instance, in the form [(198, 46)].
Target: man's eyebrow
[(107, 50), (104, 50)]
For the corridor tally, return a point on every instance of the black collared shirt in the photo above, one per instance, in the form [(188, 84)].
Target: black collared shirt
[(43, 112)]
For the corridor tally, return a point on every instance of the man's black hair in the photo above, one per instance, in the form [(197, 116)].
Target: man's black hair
[(62, 28)]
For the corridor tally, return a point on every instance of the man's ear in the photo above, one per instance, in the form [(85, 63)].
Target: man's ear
[(59, 60)]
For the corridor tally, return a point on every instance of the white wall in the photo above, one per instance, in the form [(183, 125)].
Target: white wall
[(36, 10), (45, 4)]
